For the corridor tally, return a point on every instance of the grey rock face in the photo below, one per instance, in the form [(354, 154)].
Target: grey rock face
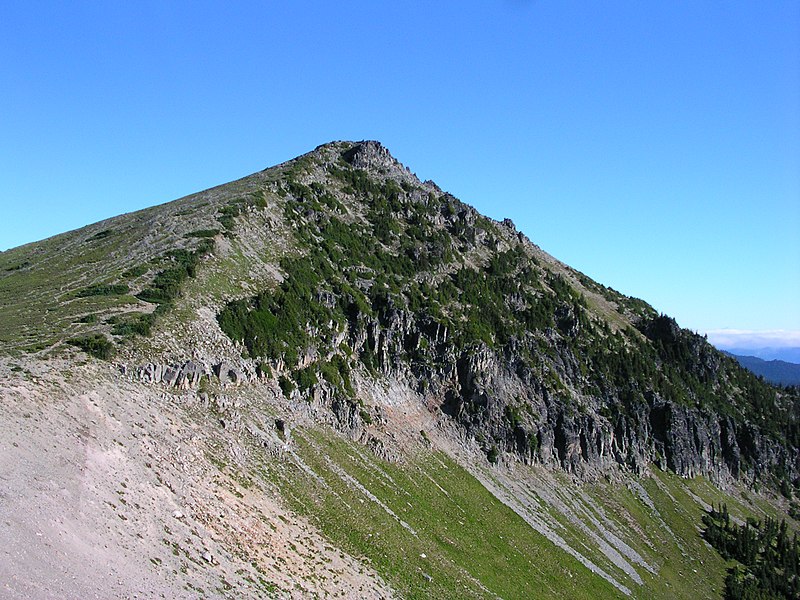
[(499, 401), (370, 155), (187, 375), (230, 374)]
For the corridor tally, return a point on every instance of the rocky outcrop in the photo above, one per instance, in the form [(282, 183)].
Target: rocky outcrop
[(371, 155), (509, 408), (187, 375), (228, 373)]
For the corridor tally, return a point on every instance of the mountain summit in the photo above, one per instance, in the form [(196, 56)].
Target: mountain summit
[(329, 378)]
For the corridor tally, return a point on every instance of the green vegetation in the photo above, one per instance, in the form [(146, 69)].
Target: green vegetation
[(770, 559), (273, 325), (484, 550), (203, 233), (18, 266), (666, 535), (337, 373), (101, 235), (164, 289), (141, 324), (227, 216), (104, 290), (134, 272), (432, 530), (287, 385), (305, 378), (97, 345), (183, 264)]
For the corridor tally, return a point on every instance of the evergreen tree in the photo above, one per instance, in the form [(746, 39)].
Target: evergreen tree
[(769, 560)]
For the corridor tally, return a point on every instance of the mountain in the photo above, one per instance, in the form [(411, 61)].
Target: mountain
[(775, 371), (330, 378), (786, 354)]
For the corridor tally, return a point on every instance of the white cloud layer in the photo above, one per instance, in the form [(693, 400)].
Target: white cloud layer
[(749, 338)]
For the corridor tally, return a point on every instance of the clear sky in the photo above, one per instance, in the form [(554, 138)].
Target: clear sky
[(654, 146)]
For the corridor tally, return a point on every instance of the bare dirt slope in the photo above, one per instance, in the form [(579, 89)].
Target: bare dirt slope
[(107, 493)]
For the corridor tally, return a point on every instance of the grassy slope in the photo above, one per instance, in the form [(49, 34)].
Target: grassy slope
[(44, 274), (49, 274), (669, 536), (431, 529), (456, 533)]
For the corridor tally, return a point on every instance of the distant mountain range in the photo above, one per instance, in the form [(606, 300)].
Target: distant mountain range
[(780, 372), (791, 355)]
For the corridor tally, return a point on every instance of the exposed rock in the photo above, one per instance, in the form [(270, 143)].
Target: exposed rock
[(230, 374), (187, 375), (370, 155), (586, 436), (190, 374)]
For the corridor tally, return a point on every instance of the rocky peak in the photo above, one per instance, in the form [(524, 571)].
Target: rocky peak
[(372, 156)]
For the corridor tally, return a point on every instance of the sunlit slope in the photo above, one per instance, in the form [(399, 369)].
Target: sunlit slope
[(71, 283), (444, 404)]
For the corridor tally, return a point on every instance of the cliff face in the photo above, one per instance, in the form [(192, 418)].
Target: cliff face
[(533, 360), (509, 407)]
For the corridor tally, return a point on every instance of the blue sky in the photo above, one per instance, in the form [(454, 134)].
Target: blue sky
[(653, 146)]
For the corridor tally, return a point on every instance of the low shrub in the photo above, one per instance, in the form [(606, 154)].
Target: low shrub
[(97, 345), (104, 290)]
